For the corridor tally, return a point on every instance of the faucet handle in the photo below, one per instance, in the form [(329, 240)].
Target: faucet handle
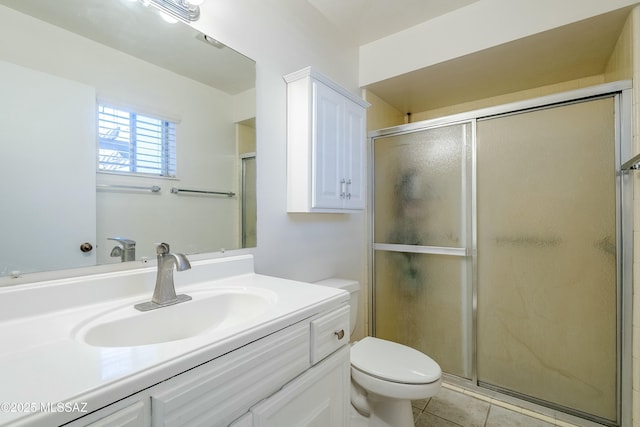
[(162, 248)]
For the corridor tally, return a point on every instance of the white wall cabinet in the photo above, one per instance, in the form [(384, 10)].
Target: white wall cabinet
[(326, 145), (274, 381)]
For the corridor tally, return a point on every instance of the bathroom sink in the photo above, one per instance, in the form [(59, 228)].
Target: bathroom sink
[(208, 311)]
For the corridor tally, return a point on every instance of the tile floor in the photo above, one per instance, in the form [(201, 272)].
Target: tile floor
[(452, 407)]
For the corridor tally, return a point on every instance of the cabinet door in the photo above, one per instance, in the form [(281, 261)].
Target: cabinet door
[(353, 161), (328, 119), (317, 398), (218, 392), (135, 414)]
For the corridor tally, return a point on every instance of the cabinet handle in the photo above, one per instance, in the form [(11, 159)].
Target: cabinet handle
[(339, 334), (348, 189), (343, 188)]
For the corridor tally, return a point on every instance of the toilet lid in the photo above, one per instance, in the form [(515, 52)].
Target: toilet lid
[(395, 362)]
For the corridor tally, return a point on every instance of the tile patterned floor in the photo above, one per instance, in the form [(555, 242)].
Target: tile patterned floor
[(453, 408)]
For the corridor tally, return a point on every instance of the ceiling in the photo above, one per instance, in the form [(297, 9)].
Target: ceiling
[(567, 53), (369, 20), (139, 31)]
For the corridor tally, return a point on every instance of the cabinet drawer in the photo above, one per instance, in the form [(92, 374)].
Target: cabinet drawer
[(216, 393), (329, 333)]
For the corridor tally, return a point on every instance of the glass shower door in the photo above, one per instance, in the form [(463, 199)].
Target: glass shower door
[(546, 275), (422, 269)]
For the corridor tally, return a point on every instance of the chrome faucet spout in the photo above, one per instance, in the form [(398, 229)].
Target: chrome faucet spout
[(164, 293), (181, 262), (126, 249)]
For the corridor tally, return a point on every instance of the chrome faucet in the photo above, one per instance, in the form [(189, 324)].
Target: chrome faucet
[(126, 250), (165, 292)]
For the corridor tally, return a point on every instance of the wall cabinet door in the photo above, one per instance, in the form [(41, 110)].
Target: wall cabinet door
[(353, 154), (327, 169), (326, 136), (318, 398), (339, 147)]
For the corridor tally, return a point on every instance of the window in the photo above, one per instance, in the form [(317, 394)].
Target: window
[(134, 143)]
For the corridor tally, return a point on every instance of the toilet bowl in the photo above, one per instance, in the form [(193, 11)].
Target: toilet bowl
[(385, 376)]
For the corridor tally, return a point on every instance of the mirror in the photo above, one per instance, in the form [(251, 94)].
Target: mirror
[(58, 62)]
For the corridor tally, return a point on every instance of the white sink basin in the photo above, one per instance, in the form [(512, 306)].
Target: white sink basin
[(207, 311)]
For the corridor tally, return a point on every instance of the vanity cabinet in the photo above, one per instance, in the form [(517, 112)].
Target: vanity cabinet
[(326, 145), (297, 376)]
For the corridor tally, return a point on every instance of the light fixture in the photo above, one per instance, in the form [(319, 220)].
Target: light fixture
[(186, 11)]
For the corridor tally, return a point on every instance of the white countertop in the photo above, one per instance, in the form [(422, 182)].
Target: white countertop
[(44, 361)]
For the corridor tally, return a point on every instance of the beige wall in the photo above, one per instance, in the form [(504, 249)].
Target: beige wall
[(510, 97), (381, 114), (624, 63)]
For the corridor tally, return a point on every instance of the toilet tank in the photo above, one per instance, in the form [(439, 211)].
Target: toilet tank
[(351, 286)]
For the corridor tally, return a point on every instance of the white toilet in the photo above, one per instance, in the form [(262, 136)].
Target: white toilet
[(385, 376)]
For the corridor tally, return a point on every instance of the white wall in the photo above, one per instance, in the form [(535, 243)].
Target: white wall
[(284, 36)]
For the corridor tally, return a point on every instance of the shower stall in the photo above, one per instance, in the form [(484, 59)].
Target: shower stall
[(502, 248)]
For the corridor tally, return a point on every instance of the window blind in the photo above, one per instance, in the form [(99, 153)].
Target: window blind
[(135, 143)]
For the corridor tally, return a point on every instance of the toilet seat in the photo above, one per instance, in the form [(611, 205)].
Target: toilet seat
[(393, 362), (389, 389)]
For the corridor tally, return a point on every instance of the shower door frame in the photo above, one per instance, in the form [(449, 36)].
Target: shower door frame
[(621, 92)]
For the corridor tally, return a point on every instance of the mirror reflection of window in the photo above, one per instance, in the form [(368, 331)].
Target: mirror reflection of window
[(135, 143)]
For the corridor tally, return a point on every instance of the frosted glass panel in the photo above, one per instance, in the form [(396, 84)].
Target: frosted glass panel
[(422, 189), (547, 255), (423, 301), (249, 207), (418, 183)]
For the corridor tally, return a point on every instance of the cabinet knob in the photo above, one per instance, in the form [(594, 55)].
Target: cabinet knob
[(339, 334)]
